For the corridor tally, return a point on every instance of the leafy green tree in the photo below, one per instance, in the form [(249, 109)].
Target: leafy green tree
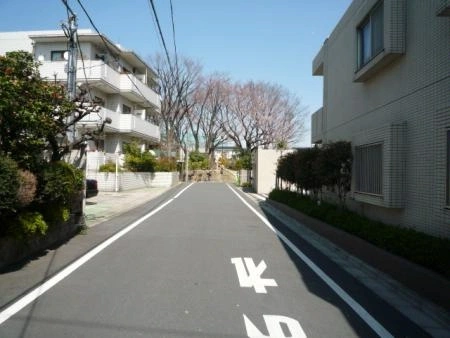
[(32, 111), (198, 160), (244, 160), (335, 167), (137, 160), (306, 175), (285, 168)]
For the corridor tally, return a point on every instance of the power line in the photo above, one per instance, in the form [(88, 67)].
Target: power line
[(116, 59), (84, 69), (160, 32), (173, 33)]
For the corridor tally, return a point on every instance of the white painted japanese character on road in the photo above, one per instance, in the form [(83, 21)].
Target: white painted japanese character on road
[(251, 277), (274, 328)]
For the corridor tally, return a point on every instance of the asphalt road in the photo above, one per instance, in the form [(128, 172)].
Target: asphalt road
[(203, 262)]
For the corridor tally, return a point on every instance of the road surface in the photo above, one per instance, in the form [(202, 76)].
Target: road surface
[(205, 262)]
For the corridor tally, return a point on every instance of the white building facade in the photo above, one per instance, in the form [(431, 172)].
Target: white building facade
[(118, 80), (386, 88)]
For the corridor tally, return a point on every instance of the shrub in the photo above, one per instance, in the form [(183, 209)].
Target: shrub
[(59, 181), (165, 164), (9, 184), (198, 161), (29, 223), (27, 188), (138, 161), (418, 247), (108, 167), (55, 214)]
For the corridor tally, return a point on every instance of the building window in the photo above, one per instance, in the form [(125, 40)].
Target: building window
[(448, 167), (369, 169), (370, 36), (126, 109), (57, 55)]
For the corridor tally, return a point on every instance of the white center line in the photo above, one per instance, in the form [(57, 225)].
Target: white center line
[(44, 287), (360, 311)]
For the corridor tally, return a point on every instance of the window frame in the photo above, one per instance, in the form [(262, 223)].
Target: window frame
[(369, 22), (448, 170), (60, 53), (126, 109), (362, 178)]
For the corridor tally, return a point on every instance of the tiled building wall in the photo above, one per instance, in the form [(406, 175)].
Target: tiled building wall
[(407, 104)]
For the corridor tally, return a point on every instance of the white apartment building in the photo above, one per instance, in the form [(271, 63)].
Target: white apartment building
[(119, 79), (386, 88)]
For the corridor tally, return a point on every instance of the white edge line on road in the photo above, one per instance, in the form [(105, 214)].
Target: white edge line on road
[(182, 191), (44, 287), (372, 322)]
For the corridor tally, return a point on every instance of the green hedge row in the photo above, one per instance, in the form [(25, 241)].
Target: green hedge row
[(428, 251)]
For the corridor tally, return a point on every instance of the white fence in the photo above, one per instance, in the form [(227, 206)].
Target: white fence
[(129, 180)]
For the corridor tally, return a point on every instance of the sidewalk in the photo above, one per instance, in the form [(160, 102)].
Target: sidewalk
[(106, 205)]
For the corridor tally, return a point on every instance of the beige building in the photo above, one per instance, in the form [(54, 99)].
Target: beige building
[(386, 88)]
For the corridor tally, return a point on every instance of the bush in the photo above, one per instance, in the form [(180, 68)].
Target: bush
[(108, 167), (27, 188), (418, 247), (198, 161), (137, 161), (29, 223), (9, 184), (166, 164), (59, 182), (55, 214)]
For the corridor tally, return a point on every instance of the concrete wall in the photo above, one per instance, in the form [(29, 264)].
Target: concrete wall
[(129, 180), (264, 169), (404, 105)]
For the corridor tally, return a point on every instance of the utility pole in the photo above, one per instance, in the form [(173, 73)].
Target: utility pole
[(70, 30), (73, 53)]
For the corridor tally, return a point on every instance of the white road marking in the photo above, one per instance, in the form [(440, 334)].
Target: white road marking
[(182, 191), (252, 278), (44, 287), (360, 311), (274, 328)]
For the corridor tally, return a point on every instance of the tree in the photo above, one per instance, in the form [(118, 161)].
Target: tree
[(335, 167), (32, 111), (177, 84), (35, 114), (262, 114), (205, 118)]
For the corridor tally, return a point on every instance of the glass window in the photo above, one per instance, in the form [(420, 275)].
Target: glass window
[(369, 169), (370, 35), (57, 55), (126, 109)]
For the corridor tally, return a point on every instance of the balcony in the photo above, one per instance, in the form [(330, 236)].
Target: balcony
[(102, 76), (122, 124), (134, 90), (317, 126)]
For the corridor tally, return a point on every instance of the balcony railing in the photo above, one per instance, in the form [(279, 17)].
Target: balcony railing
[(100, 74), (122, 124), (131, 86)]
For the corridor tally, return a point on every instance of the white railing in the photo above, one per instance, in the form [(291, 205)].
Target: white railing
[(135, 125), (97, 70), (121, 123), (131, 84), (98, 118)]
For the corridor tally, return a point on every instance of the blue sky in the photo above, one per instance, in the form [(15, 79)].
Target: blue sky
[(262, 40)]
